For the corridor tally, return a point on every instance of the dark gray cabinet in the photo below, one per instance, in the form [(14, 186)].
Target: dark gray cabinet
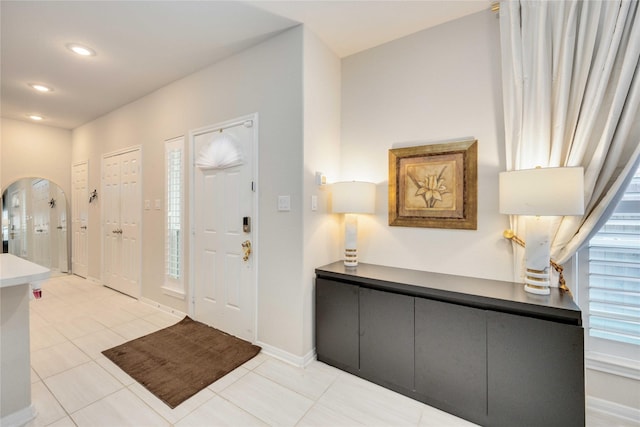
[(483, 350), (386, 338)]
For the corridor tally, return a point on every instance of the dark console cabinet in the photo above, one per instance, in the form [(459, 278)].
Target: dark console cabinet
[(483, 350)]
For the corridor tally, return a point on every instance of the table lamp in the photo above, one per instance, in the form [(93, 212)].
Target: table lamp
[(539, 194), (352, 198)]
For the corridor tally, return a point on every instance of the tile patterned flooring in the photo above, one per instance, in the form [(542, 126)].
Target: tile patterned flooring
[(73, 384)]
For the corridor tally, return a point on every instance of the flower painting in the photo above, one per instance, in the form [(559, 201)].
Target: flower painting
[(431, 188), (433, 185)]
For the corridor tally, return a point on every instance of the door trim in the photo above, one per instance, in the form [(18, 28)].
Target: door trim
[(255, 214), (102, 208)]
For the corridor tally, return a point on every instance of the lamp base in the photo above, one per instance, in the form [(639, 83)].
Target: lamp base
[(538, 290), (537, 281), (350, 257)]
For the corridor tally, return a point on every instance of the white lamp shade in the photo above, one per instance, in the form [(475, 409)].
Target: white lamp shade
[(354, 197), (542, 192)]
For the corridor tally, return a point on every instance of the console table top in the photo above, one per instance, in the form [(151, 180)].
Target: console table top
[(481, 293)]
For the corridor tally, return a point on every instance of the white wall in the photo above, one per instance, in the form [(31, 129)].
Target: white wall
[(436, 85), (266, 79), (321, 154), (30, 150)]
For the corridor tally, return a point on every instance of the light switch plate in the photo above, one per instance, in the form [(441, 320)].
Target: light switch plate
[(314, 203), (147, 205), (157, 204), (284, 203)]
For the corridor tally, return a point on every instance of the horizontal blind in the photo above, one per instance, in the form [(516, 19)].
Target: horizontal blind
[(614, 272)]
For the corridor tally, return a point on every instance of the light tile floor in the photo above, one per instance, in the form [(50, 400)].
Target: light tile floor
[(73, 384)]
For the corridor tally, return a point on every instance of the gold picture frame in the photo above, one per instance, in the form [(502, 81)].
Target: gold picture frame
[(434, 186)]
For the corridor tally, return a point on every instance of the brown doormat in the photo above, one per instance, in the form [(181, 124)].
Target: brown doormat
[(177, 362)]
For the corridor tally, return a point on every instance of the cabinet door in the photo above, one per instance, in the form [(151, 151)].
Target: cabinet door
[(451, 357), (535, 372), (386, 338), (337, 324)]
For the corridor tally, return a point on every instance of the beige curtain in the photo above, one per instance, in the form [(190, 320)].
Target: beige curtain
[(571, 88)]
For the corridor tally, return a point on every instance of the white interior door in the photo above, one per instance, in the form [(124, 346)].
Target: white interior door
[(41, 213), (121, 227), (79, 214), (59, 212), (225, 283), (17, 224)]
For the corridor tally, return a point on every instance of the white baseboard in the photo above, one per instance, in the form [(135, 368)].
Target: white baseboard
[(602, 412), (612, 365), (285, 356), (162, 307), (19, 418)]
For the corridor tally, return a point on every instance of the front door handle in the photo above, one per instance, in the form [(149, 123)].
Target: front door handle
[(246, 250)]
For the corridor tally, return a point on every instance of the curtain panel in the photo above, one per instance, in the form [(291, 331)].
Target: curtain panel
[(571, 94)]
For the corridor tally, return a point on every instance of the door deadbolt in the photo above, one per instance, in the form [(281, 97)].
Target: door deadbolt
[(246, 224)]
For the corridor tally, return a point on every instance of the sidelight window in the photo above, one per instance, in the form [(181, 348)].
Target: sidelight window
[(174, 216)]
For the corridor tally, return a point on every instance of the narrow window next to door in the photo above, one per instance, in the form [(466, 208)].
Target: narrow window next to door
[(174, 235)]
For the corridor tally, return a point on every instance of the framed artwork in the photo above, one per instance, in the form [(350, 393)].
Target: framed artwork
[(434, 186)]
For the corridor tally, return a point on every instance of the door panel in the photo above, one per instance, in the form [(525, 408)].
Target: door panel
[(17, 224), (121, 227), (130, 223), (41, 254), (224, 280), (387, 338), (451, 357), (80, 210), (524, 350), (337, 322)]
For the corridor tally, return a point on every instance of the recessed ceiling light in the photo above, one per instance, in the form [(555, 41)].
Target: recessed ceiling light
[(81, 50), (40, 88), (35, 117)]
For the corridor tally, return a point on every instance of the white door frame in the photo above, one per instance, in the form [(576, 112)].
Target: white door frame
[(254, 216), (102, 208)]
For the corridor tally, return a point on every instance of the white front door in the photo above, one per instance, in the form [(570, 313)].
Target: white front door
[(79, 214), (121, 228), (223, 201)]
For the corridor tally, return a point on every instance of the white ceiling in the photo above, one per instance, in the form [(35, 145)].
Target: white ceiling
[(144, 45)]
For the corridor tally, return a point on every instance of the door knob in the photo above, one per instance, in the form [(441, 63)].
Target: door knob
[(246, 249), (84, 227)]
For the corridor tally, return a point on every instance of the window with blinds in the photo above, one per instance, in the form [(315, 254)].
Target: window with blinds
[(174, 164), (614, 273)]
